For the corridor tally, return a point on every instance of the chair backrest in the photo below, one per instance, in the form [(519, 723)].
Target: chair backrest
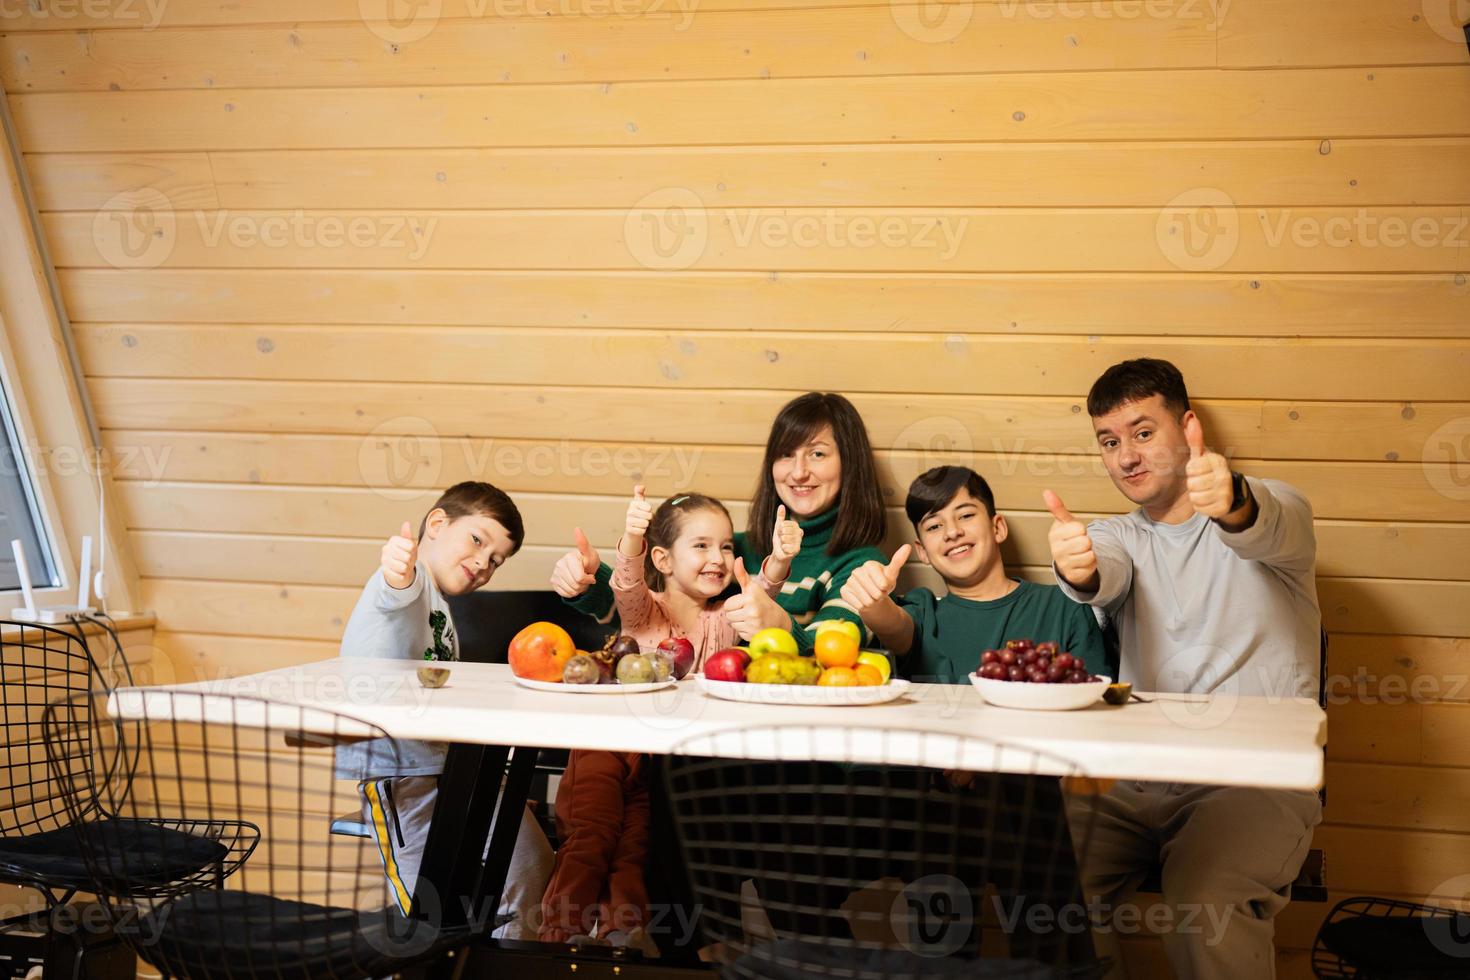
[(230, 799), (873, 862), (38, 665), (487, 621)]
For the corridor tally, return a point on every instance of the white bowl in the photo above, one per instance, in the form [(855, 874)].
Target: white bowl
[(1040, 697)]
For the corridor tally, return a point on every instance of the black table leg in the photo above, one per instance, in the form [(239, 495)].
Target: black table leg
[(449, 874), (507, 825)]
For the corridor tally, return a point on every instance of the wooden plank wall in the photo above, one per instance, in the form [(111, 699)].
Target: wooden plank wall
[(318, 266)]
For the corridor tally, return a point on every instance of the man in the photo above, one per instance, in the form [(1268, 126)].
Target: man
[(1210, 585)]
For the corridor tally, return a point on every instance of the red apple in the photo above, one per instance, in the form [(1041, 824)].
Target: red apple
[(682, 652), (727, 665)]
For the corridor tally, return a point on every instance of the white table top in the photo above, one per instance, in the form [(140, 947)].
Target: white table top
[(1252, 741)]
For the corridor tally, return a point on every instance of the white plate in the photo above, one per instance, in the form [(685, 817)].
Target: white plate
[(1040, 697), (556, 687), (803, 694)]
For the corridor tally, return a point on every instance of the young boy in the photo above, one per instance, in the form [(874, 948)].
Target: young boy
[(939, 640), (472, 529)]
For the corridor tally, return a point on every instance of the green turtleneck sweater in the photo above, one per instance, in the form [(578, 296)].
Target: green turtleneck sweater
[(812, 591)]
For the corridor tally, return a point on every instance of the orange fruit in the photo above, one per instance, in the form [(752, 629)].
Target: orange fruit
[(835, 648), (838, 677), (868, 675)]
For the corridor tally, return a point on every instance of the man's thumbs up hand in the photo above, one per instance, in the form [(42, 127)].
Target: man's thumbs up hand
[(1207, 474), (399, 557), (1071, 548)]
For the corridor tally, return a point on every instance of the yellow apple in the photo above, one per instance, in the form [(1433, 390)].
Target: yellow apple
[(773, 639)]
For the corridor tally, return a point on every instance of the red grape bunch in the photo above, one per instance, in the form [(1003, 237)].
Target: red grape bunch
[(1038, 663)]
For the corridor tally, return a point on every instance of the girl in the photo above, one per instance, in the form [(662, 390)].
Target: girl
[(674, 564)]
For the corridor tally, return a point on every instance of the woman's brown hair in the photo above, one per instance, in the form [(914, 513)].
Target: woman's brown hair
[(860, 520)]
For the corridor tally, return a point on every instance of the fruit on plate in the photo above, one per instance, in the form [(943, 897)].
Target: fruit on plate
[(845, 625), (581, 669), (835, 648), (663, 664), (636, 668), (727, 665), (781, 669), (681, 652), (838, 677), (621, 646), (772, 639), (1037, 663), (878, 662), (540, 652), (868, 676)]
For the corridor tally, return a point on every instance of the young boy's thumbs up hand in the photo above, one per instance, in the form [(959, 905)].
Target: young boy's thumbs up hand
[(400, 554)]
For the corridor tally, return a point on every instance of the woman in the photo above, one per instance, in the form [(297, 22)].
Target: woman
[(819, 464)]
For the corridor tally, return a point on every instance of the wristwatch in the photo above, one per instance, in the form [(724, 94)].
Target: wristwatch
[(1240, 491)]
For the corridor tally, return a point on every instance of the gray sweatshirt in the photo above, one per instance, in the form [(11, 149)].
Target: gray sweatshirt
[(393, 624), (1201, 609)]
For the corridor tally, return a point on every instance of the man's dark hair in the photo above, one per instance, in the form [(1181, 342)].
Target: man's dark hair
[(1135, 380), (934, 489)]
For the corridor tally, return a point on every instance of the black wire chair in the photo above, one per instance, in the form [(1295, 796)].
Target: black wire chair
[(861, 869), (1385, 939), (38, 849), (241, 778)]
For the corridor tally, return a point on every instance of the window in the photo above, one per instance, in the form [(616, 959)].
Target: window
[(20, 515)]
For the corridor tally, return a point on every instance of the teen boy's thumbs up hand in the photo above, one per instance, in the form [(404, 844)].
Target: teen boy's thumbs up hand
[(399, 556), (1071, 548), (1207, 474), (576, 570), (870, 584)]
